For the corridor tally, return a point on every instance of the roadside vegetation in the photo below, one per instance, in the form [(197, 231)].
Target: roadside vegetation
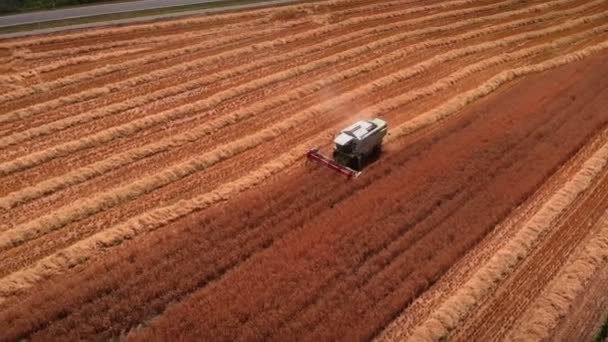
[(11, 6)]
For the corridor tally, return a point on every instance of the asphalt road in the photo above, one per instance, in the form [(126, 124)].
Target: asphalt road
[(88, 11)]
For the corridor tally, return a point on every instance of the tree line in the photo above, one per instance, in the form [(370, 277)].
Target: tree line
[(10, 6)]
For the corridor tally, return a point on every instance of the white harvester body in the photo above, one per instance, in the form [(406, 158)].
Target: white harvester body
[(354, 147)]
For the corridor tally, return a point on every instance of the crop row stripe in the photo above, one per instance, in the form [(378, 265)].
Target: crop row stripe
[(252, 48), (394, 103), (150, 39), (101, 167), (49, 67), (73, 61), (100, 202), (142, 123), (84, 249), (108, 69), (543, 315), (243, 17), (176, 69), (163, 93), (455, 307)]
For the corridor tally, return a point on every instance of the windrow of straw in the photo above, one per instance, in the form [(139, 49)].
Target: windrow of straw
[(150, 58), (448, 82), (130, 46), (488, 87), (137, 125), (101, 167), (88, 75), (113, 197), (239, 19), (131, 82), (455, 308), (104, 46), (153, 219), (176, 69), (49, 67), (542, 317)]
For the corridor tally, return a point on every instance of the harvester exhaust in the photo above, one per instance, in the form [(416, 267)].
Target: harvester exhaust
[(315, 155)]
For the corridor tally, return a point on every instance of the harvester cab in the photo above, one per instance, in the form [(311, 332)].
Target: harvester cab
[(354, 147)]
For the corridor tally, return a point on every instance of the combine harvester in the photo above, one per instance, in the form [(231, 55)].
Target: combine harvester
[(354, 147)]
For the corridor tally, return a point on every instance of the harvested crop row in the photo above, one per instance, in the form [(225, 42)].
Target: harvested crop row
[(87, 116), (549, 254), (172, 114), (67, 56), (430, 300), (61, 67), (34, 160), (81, 251), (261, 46), (382, 283), (58, 41), (193, 135), (243, 69), (40, 57), (164, 93), (586, 317), (208, 32), (49, 241), (64, 216), (399, 101), (460, 102), (456, 307), (181, 23), (317, 252), (389, 16), (171, 54), (81, 175), (303, 182), (36, 72), (151, 58), (107, 74)]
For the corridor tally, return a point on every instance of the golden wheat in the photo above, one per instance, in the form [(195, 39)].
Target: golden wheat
[(84, 249), (172, 91), (244, 19), (129, 128), (541, 318), (111, 198), (248, 49), (456, 307), (92, 93), (150, 58), (49, 67), (391, 104), (99, 168), (98, 46)]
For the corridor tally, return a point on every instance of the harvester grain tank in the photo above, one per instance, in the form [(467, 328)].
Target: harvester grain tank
[(354, 147)]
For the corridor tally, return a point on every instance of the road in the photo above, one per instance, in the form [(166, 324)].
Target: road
[(88, 11)]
